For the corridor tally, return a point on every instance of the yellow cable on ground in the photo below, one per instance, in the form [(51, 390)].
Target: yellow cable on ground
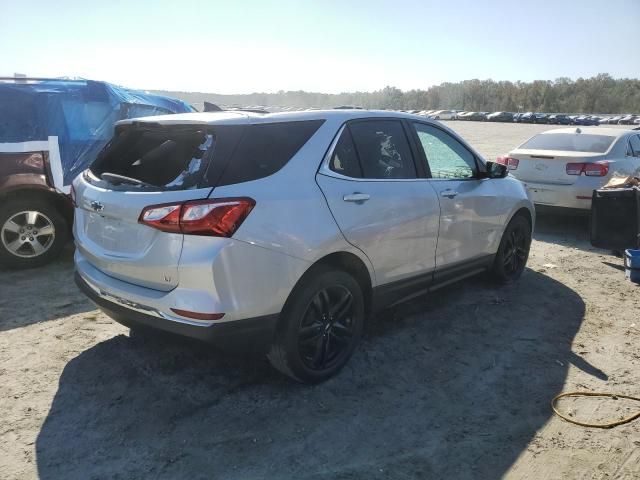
[(594, 394)]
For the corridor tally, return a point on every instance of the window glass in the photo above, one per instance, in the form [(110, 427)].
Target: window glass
[(383, 149), (171, 158), (345, 159), (634, 142), (570, 142), (267, 147), (447, 158)]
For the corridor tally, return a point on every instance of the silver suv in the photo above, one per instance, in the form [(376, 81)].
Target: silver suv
[(286, 231)]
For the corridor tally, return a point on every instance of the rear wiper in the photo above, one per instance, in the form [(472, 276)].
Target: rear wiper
[(116, 179)]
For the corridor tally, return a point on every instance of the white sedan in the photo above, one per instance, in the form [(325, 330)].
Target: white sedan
[(562, 167), (444, 115)]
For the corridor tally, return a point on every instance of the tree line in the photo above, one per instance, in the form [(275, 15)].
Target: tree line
[(598, 94)]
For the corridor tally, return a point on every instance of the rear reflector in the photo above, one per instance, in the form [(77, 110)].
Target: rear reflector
[(583, 197), (198, 315), (510, 163), (211, 217), (595, 169)]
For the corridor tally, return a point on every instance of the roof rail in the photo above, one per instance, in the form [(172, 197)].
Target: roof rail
[(249, 110)]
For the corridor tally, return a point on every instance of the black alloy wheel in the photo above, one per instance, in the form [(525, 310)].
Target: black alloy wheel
[(320, 325), (513, 252), (327, 328)]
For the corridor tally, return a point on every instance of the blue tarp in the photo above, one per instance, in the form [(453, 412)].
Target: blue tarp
[(81, 113)]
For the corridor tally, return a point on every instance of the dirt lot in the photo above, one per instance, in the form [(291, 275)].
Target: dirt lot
[(455, 385)]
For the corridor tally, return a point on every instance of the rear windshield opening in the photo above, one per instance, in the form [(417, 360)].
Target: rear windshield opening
[(165, 158), (570, 142)]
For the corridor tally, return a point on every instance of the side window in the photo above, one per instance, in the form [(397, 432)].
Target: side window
[(345, 159), (265, 148), (634, 144), (383, 149), (447, 158)]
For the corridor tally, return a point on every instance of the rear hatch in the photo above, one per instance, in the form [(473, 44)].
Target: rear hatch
[(544, 158), (145, 164)]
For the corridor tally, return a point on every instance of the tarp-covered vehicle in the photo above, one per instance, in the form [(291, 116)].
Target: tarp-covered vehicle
[(50, 131)]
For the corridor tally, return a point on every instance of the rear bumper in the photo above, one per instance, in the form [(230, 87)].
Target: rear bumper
[(560, 196), (255, 334)]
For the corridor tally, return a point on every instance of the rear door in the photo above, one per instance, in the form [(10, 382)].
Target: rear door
[(472, 213), (372, 187), (136, 170)]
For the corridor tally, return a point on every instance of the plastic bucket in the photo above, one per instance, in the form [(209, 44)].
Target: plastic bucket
[(632, 265)]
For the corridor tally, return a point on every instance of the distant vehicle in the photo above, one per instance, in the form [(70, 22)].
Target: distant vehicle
[(627, 120), (472, 116), (178, 242), (615, 120), (559, 119), (500, 117), (526, 117), (586, 120), (562, 167), (443, 115), (50, 131), (637, 121)]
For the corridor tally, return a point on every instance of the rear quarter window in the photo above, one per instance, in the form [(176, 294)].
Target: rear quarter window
[(570, 142), (265, 148)]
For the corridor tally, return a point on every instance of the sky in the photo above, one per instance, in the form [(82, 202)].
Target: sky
[(244, 46)]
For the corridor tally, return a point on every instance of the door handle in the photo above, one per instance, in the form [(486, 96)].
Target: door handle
[(356, 197), (448, 193)]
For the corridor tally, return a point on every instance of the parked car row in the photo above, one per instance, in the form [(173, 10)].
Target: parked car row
[(529, 117)]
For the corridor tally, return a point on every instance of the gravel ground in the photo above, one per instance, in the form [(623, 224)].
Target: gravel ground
[(454, 385)]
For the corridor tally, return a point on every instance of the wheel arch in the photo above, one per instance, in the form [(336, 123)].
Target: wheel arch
[(525, 212), (348, 262)]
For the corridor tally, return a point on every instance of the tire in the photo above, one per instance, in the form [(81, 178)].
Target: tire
[(33, 248), (317, 306), (511, 259)]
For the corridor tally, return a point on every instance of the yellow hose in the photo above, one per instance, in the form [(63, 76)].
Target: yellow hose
[(594, 394)]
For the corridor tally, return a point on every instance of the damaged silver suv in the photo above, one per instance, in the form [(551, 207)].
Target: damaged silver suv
[(286, 231)]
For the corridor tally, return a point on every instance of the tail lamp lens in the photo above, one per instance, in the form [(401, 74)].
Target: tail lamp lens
[(211, 217), (596, 169), (509, 162)]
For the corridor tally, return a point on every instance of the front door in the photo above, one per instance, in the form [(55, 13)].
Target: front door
[(471, 213)]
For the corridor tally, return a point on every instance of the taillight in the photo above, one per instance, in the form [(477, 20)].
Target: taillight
[(510, 163), (596, 169), (162, 217), (213, 217)]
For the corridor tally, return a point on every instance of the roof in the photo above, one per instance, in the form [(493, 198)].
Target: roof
[(243, 117), (611, 132)]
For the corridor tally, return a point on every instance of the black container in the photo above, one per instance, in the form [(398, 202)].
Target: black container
[(615, 218)]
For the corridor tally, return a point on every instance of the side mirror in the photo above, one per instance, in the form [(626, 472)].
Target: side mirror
[(496, 170)]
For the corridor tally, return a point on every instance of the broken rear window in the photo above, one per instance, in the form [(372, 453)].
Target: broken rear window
[(169, 158)]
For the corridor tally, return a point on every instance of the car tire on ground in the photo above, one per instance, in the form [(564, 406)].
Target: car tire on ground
[(320, 326), (513, 252), (32, 233)]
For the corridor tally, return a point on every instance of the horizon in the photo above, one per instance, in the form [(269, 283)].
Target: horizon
[(271, 46)]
